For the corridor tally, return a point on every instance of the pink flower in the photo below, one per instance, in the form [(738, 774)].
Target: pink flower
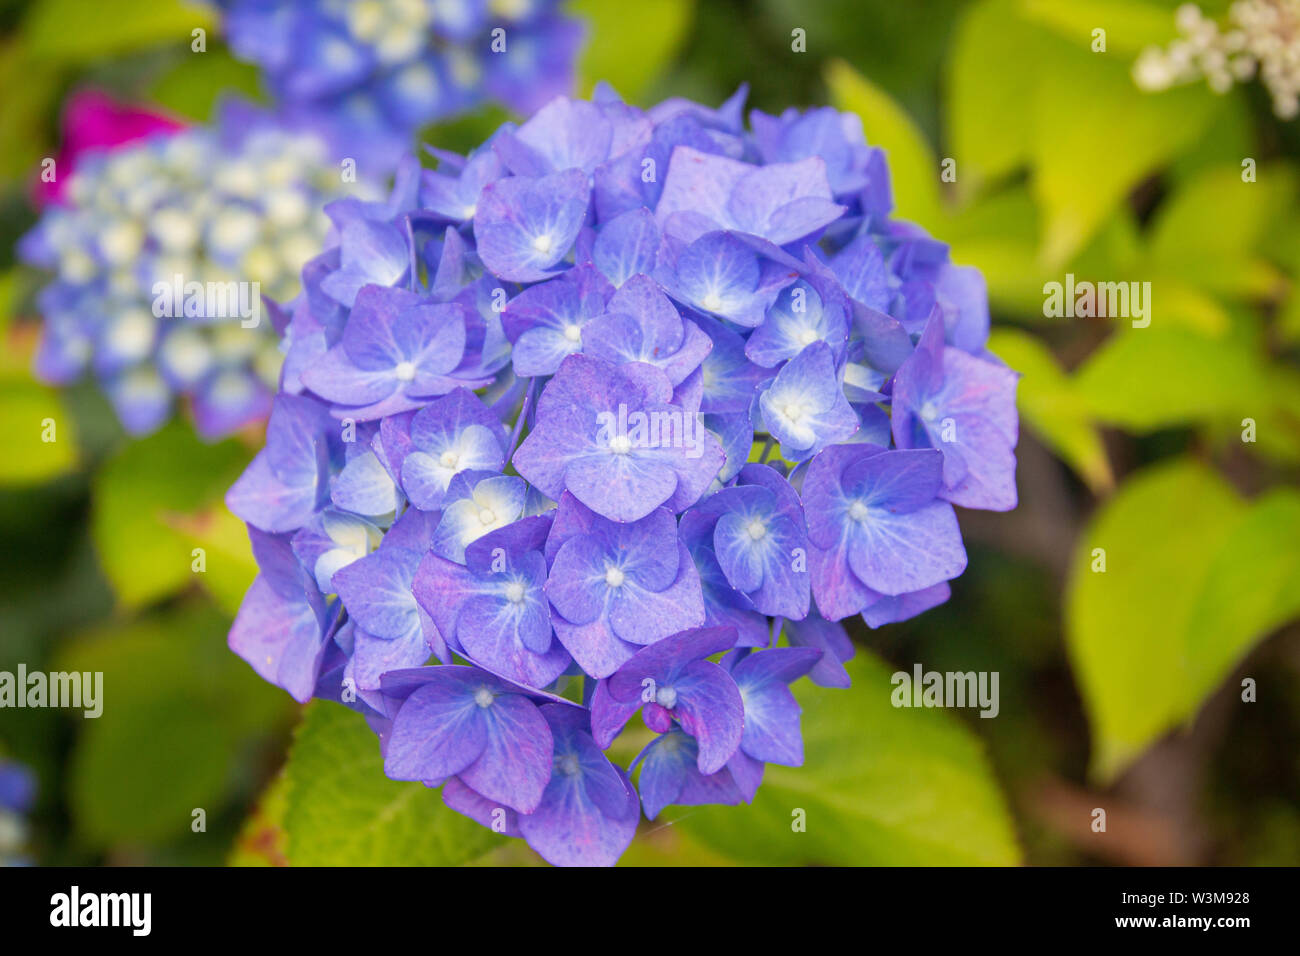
[(93, 120)]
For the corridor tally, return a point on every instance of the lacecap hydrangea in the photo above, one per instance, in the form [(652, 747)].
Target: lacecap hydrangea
[(161, 254), (372, 72), (625, 411)]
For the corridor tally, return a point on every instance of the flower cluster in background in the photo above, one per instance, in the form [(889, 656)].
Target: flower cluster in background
[(595, 417), (160, 251), (371, 73), (93, 121), (17, 793), (1263, 40)]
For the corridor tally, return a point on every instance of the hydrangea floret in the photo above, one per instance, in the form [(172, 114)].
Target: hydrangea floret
[(627, 412)]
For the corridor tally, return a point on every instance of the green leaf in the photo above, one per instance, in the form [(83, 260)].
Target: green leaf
[(1050, 404), (79, 32), (1145, 379), (629, 44), (880, 786), (177, 707), (913, 169), (1221, 257), (1253, 588), (29, 415), (25, 119), (141, 496), (197, 82), (990, 67), (229, 565), (342, 811), (1131, 25), (261, 840), (1193, 576), (1096, 136)]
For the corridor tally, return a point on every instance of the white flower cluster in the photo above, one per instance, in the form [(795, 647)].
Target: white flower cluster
[(1263, 39)]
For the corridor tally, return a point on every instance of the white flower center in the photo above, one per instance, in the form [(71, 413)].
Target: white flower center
[(807, 336), (543, 243), (857, 511), (666, 698), (449, 459), (514, 592), (614, 577), (573, 333), (487, 516), (405, 371), (794, 411), (757, 530), (712, 302), (620, 445), (483, 697), (929, 412)]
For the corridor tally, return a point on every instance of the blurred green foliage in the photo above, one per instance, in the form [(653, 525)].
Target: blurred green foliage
[(1132, 443)]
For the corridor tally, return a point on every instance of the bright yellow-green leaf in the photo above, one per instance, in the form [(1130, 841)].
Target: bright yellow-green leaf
[(1144, 379), (41, 440), (1253, 588), (880, 786), (629, 44), (196, 83), (1193, 577), (141, 499), (1131, 25), (1050, 405), (25, 118), (262, 840), (1127, 626), (227, 556), (1208, 232), (913, 168), (991, 68), (342, 811), (77, 31), (1096, 136)]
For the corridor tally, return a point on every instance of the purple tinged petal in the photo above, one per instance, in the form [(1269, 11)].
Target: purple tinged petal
[(376, 590), (609, 714), (589, 812), (889, 610), (515, 764), (524, 227), (594, 646), (477, 807), (627, 245), (832, 640), (439, 730), (281, 638), (710, 709)]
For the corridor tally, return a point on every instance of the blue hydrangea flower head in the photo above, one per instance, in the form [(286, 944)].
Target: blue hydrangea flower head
[(373, 72), (622, 417), (166, 259)]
